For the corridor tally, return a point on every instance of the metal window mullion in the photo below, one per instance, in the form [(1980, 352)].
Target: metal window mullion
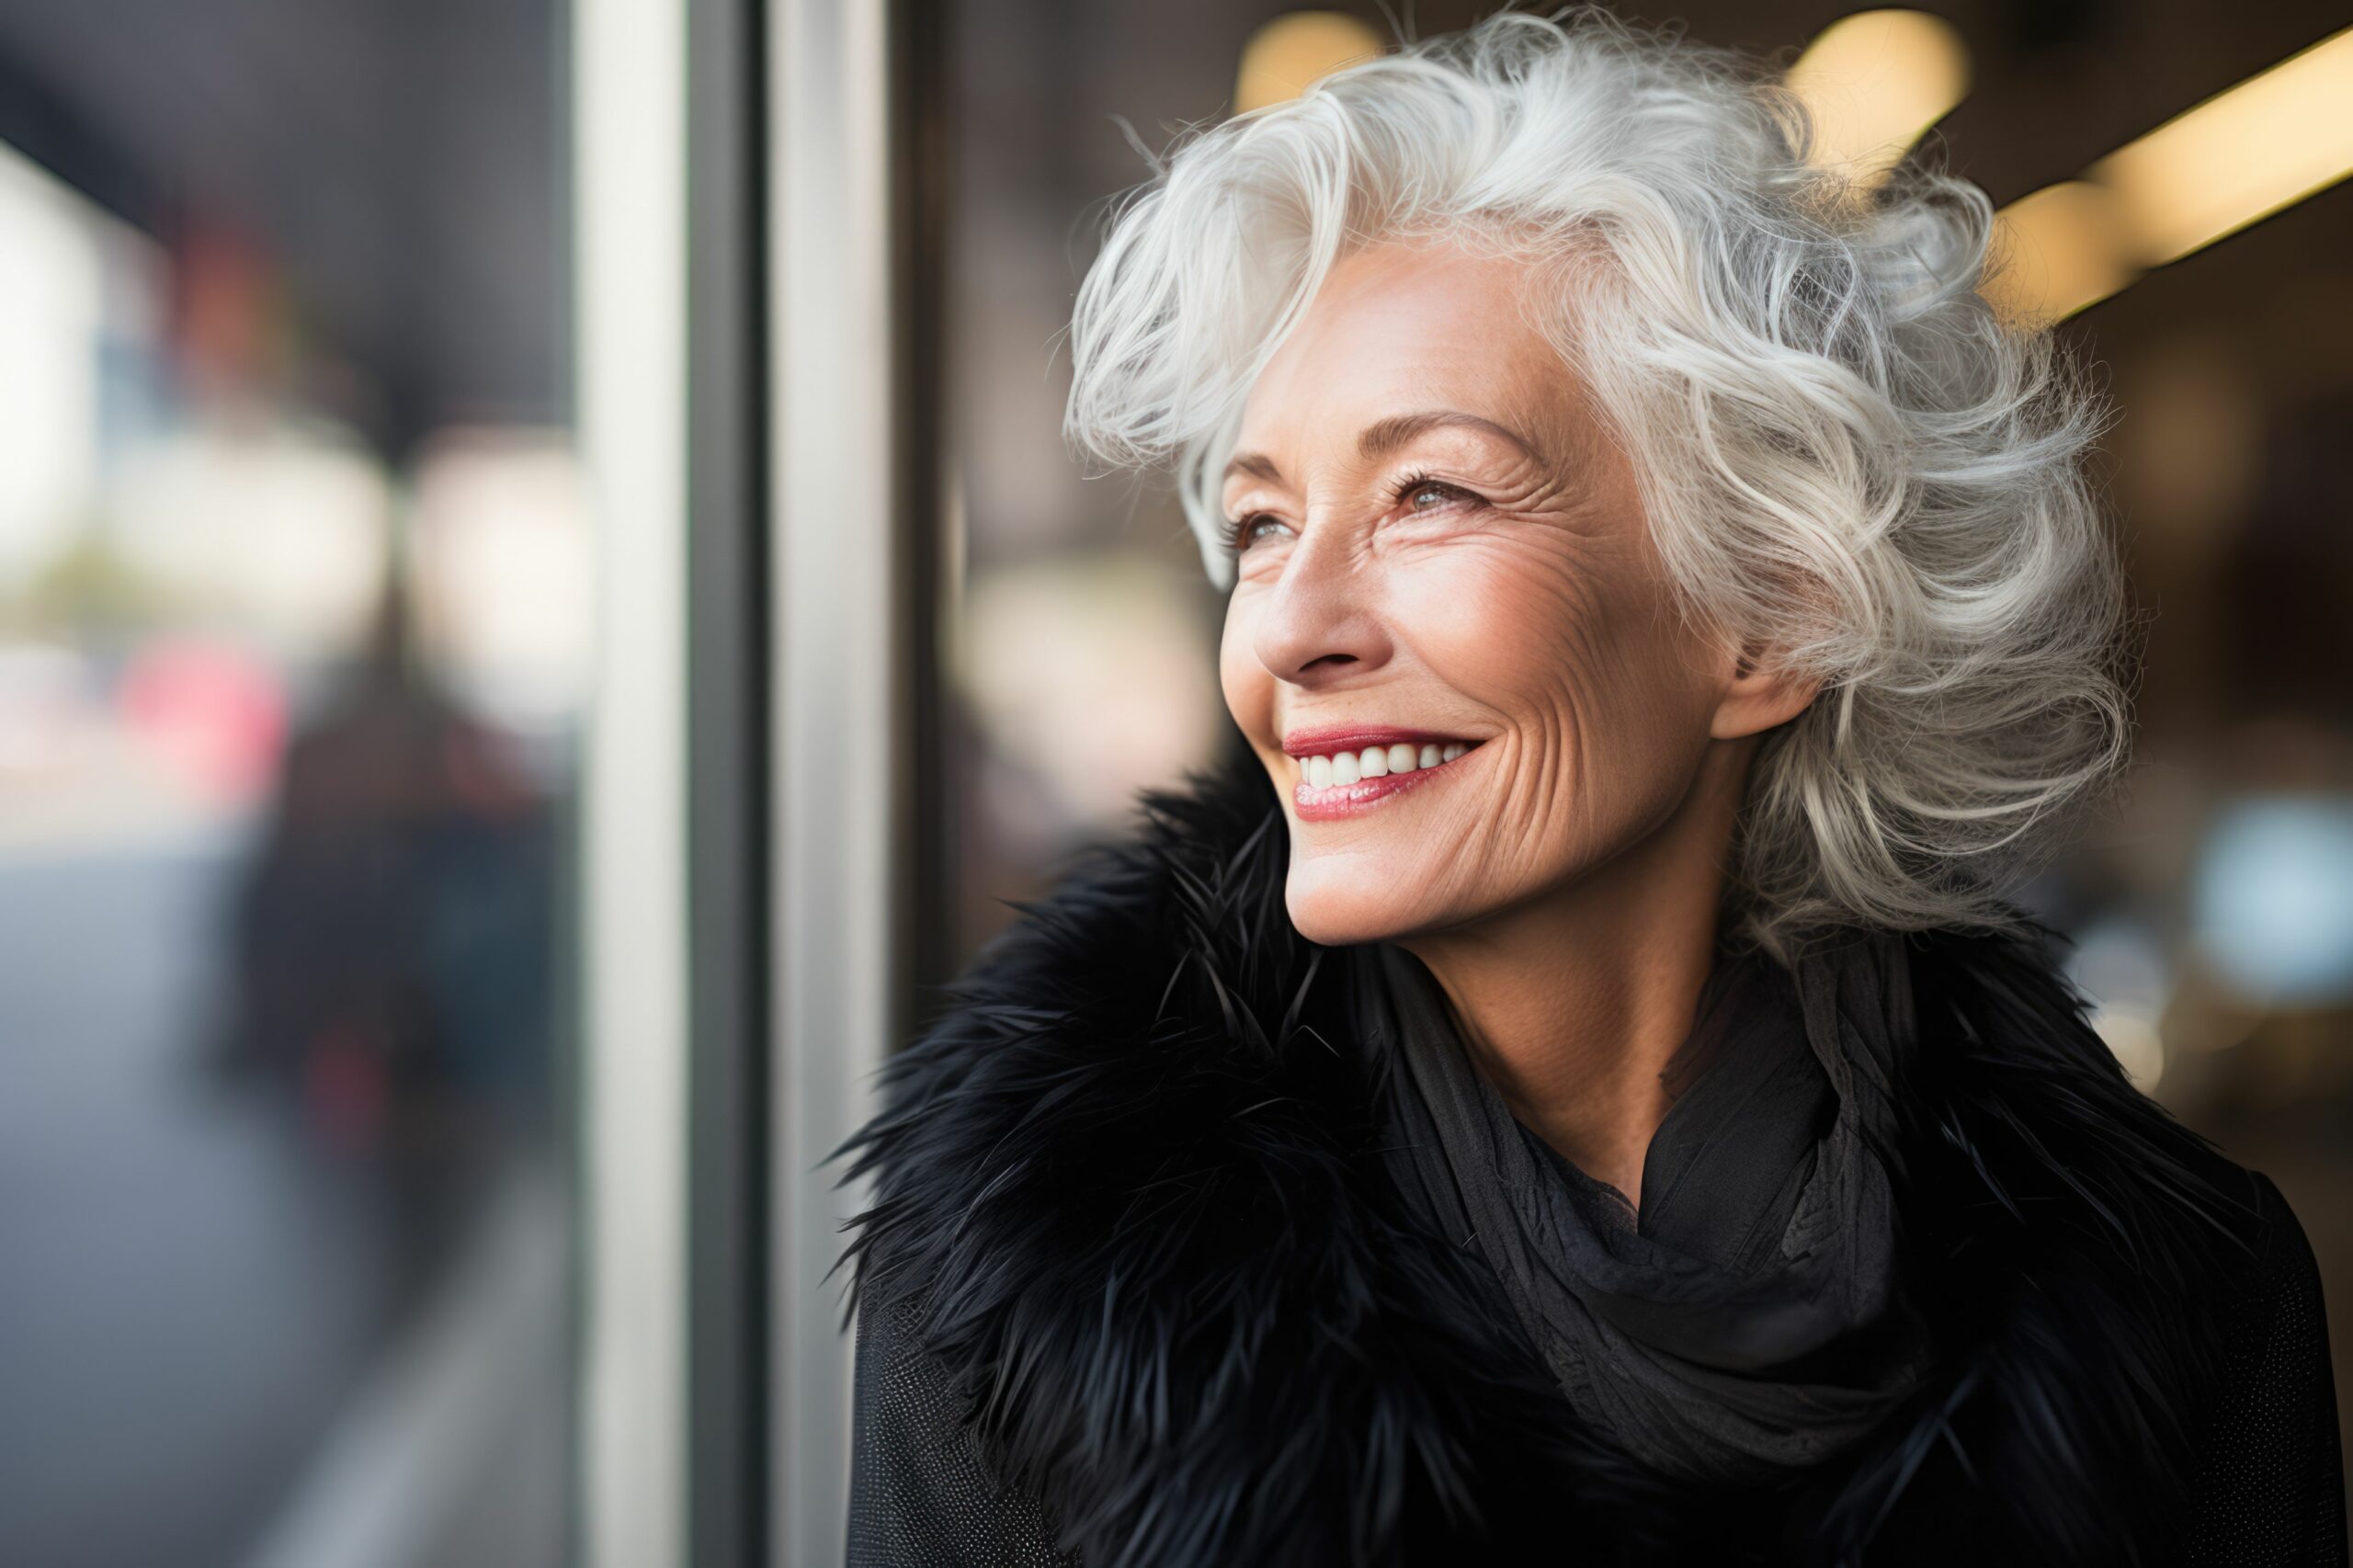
[(628, 193), (843, 714), (729, 790)]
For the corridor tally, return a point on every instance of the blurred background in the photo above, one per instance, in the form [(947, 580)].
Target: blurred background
[(543, 610), (294, 616)]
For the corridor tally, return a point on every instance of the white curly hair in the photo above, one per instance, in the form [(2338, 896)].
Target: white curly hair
[(1845, 455)]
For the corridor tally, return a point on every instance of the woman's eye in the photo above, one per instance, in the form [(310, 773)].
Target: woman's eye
[(1429, 496), (1250, 530)]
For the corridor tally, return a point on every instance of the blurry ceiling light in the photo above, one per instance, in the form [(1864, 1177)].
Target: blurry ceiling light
[(1285, 56), (2058, 253), (2134, 1040), (2271, 141), (1874, 81), (2272, 900), (2240, 156)]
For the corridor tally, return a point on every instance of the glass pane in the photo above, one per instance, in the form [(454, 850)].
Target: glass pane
[(293, 621)]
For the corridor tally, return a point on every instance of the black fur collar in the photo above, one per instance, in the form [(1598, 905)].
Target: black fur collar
[(1133, 1178)]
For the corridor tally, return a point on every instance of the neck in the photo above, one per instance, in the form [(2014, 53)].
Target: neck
[(1573, 1004)]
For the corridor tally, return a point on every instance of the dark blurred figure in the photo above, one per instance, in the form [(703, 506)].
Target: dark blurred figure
[(392, 938)]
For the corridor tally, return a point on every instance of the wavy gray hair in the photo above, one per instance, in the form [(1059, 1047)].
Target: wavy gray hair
[(1844, 455)]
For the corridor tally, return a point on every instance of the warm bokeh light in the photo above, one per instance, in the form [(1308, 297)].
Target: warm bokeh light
[(1285, 57), (2269, 141), (1874, 81), (1085, 734), (2240, 156), (2139, 1049), (2055, 253)]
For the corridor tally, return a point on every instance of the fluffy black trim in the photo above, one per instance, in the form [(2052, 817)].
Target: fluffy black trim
[(1132, 1183)]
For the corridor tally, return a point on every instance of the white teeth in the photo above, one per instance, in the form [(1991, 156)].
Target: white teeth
[(1375, 762)]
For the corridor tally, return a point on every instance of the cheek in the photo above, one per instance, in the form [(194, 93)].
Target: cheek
[(1578, 654), (1246, 682), (1502, 626)]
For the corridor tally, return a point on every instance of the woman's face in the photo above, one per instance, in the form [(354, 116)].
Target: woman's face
[(1450, 641)]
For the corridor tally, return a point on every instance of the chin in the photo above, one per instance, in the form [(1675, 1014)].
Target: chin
[(1336, 905)]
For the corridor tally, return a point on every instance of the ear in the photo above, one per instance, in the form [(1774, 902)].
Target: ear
[(1761, 693)]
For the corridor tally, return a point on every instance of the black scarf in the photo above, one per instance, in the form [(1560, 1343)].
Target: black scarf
[(1749, 1323)]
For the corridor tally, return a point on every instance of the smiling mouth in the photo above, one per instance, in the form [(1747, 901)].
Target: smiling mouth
[(1344, 772)]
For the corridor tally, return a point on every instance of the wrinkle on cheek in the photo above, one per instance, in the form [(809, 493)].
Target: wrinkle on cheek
[(1561, 636), (1459, 848), (1626, 703), (1547, 797)]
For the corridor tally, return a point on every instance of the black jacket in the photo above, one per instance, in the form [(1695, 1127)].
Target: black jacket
[(1135, 1289)]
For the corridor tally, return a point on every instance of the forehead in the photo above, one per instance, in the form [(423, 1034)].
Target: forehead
[(1398, 326)]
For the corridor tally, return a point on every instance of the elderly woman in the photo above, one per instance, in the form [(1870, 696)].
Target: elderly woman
[(1579, 1090)]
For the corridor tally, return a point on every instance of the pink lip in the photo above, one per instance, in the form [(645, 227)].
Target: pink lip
[(1355, 799), (1356, 737), (1337, 800)]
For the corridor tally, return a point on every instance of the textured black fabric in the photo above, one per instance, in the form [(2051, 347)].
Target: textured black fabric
[(1749, 1107), (1139, 1273), (2271, 1468), (1702, 1353), (920, 1490)]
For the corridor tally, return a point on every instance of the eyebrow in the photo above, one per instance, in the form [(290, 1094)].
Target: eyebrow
[(1382, 436)]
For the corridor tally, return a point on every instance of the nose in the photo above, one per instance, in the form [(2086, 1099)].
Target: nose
[(1320, 627)]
